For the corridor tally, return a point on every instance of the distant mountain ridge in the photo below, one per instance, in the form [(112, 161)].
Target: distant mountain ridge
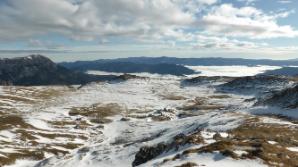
[(211, 61), (130, 67), (40, 70)]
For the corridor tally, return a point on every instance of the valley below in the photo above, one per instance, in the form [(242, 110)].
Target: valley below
[(209, 119)]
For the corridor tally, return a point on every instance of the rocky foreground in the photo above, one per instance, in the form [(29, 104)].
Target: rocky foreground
[(152, 121)]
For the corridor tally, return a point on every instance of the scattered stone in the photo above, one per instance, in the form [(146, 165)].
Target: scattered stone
[(124, 119), (147, 153)]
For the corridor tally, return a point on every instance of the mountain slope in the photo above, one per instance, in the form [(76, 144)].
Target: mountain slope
[(255, 85), (129, 67), (39, 70), (285, 71), (287, 98)]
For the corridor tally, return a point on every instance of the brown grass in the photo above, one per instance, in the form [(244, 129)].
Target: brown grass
[(253, 138), (22, 154), (188, 164), (283, 134), (26, 133), (16, 98), (10, 121), (220, 96), (61, 124), (202, 107), (200, 103), (97, 113), (97, 110), (36, 154)]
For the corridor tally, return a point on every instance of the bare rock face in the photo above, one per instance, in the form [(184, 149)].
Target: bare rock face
[(201, 80), (285, 71), (255, 85), (129, 76), (148, 153), (287, 98), (39, 70), (14, 70)]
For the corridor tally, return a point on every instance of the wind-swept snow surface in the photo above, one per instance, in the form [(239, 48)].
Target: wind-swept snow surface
[(123, 123)]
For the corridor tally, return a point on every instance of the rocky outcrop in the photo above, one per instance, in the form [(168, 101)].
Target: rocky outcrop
[(39, 70), (285, 71), (126, 77), (255, 85), (148, 153), (201, 80), (287, 98)]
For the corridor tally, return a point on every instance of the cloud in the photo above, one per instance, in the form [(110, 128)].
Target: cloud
[(144, 21), (246, 22), (89, 19), (213, 42), (35, 43), (248, 2), (284, 1)]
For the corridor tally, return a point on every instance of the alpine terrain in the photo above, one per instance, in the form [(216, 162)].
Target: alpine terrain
[(54, 116)]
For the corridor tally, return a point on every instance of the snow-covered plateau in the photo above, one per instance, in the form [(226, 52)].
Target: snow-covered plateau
[(151, 121)]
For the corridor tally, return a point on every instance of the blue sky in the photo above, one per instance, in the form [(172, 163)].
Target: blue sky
[(67, 30)]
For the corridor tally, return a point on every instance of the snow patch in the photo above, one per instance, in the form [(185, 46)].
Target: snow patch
[(294, 149), (272, 142), (39, 124), (7, 136), (23, 163), (240, 152)]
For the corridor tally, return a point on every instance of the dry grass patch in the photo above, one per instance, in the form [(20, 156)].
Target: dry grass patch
[(25, 135), (272, 155), (52, 92), (20, 94), (97, 113), (16, 98), (70, 146), (36, 154), (13, 121), (220, 96), (83, 124), (200, 103), (285, 135), (21, 154), (188, 164), (252, 138), (202, 107), (61, 135)]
